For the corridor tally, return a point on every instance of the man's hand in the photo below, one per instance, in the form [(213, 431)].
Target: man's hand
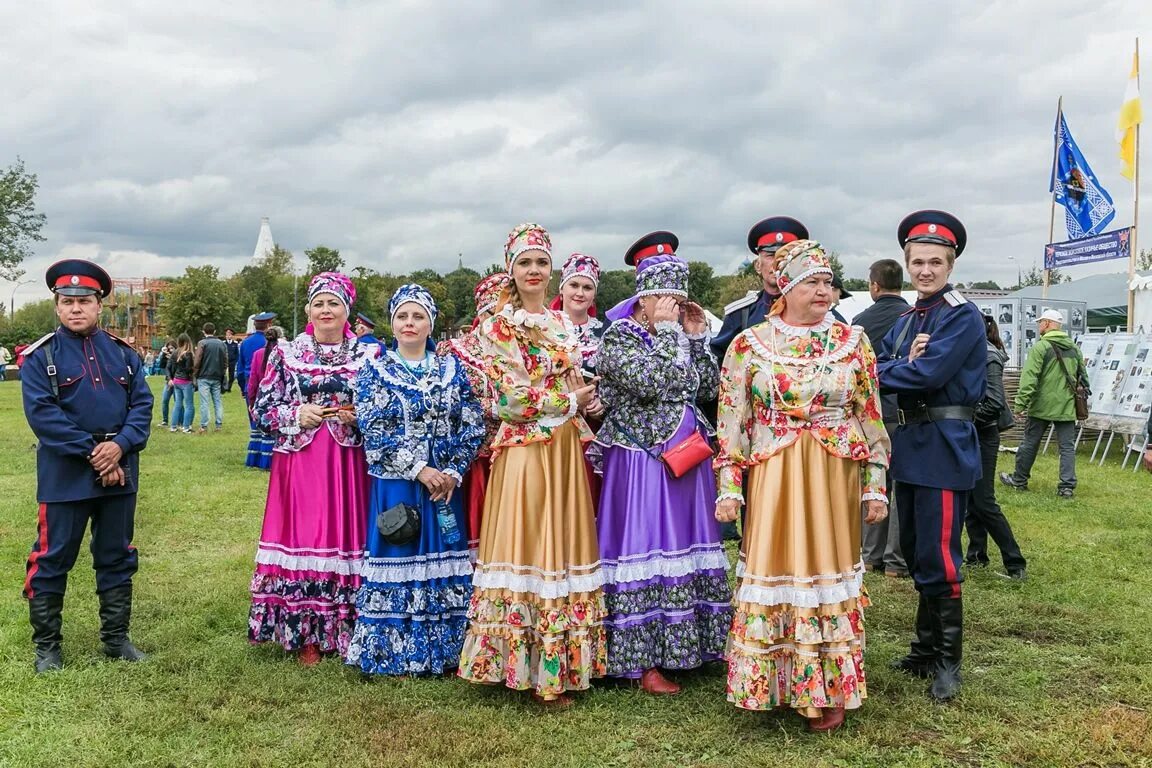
[(105, 456), (113, 477)]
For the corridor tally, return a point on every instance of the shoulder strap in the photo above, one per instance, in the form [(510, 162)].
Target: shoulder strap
[(902, 335), (1064, 369), (51, 368), (632, 437)]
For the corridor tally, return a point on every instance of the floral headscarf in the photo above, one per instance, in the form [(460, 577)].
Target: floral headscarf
[(526, 237), (487, 292), (655, 276), (580, 265), (412, 294), (798, 260), (339, 286)]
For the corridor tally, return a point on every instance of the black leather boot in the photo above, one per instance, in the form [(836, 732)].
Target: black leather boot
[(949, 612), (921, 659), (115, 616), (45, 614)]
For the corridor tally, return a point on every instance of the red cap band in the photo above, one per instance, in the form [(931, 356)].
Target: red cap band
[(775, 238), (78, 281), (933, 230), (660, 249)]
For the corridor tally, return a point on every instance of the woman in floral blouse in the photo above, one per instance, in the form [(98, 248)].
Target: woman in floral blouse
[(422, 427), (466, 349), (579, 279), (800, 414), (308, 559), (665, 570), (537, 609)]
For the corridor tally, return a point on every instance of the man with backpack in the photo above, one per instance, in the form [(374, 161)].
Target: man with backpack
[(1047, 395)]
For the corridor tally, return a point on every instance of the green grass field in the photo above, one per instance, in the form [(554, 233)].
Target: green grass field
[(1058, 669)]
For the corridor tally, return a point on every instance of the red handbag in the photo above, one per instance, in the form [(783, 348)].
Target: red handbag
[(682, 457)]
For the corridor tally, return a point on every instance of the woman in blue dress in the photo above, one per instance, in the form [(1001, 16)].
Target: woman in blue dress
[(422, 427)]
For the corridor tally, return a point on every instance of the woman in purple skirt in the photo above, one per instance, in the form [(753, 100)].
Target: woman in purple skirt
[(666, 584)]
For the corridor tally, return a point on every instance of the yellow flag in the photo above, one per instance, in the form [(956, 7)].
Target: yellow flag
[(1130, 117)]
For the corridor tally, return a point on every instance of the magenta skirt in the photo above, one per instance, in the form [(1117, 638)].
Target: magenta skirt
[(311, 547)]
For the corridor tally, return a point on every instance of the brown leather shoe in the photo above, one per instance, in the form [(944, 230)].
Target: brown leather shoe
[(309, 655), (830, 719), (655, 683)]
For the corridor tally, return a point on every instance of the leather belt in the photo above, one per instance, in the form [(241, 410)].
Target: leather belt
[(103, 437), (934, 413)]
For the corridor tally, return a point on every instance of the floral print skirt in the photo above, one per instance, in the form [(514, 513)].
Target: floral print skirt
[(537, 608), (311, 544), (797, 638), (665, 568), (411, 609)]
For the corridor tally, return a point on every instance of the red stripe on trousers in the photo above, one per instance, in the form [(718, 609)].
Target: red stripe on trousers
[(41, 550), (947, 504)]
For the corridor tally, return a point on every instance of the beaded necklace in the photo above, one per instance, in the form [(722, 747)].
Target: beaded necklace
[(816, 377), (341, 355)]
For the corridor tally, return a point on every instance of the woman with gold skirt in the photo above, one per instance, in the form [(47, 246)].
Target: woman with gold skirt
[(537, 609), (800, 414)]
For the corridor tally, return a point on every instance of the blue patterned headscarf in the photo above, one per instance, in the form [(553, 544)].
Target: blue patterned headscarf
[(416, 294)]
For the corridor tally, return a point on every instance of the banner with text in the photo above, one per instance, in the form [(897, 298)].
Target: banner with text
[(1109, 245)]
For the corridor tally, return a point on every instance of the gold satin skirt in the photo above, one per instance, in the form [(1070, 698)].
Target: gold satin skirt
[(537, 609), (797, 636)]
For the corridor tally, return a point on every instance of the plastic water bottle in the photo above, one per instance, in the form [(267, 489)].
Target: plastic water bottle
[(446, 519)]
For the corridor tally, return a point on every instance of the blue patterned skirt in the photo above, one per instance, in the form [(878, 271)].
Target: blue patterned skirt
[(412, 606), (260, 445)]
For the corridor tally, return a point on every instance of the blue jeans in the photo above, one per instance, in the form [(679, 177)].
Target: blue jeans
[(184, 410), (166, 401), (210, 387)]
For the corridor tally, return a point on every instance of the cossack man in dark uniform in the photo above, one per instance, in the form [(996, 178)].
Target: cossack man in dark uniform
[(934, 360), (252, 342), (365, 329), (233, 347), (87, 401), (764, 239)]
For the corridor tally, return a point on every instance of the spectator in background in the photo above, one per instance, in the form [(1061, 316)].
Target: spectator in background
[(248, 347), (162, 361), (233, 348), (208, 370), (1046, 396), (365, 329), (149, 363), (180, 383), (881, 545), (260, 442), (5, 358)]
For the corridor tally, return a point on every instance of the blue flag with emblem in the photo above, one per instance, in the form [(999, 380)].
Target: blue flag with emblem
[(1087, 205)]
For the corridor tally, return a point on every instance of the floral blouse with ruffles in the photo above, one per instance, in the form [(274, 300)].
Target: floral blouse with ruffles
[(466, 349), (295, 374), (780, 382), (649, 379), (417, 415), (528, 358)]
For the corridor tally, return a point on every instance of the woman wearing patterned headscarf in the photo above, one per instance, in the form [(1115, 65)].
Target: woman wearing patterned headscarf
[(308, 560), (466, 349), (800, 413), (422, 426), (537, 607), (665, 569), (579, 279)]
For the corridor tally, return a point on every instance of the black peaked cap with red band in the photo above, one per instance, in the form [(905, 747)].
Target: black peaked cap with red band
[(775, 231), (652, 244), (935, 227), (78, 277)]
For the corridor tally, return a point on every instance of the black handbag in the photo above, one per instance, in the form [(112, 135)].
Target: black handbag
[(399, 524)]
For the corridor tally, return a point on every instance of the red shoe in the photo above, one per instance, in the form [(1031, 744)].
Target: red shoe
[(309, 655), (556, 704), (655, 683), (830, 719)]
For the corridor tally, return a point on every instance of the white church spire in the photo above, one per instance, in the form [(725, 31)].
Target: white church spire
[(264, 242)]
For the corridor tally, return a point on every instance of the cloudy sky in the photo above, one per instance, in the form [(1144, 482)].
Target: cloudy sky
[(405, 133)]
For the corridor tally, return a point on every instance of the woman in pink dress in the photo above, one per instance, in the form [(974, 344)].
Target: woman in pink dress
[(308, 560)]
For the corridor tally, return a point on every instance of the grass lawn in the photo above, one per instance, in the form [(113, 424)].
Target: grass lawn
[(1058, 670)]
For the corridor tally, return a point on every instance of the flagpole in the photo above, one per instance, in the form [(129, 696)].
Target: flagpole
[(1052, 213), (1132, 251)]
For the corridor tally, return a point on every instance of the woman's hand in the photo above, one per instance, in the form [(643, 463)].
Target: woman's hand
[(432, 479), (585, 395), (310, 415), (346, 417), (666, 309), (875, 511), (727, 510), (447, 486), (695, 321)]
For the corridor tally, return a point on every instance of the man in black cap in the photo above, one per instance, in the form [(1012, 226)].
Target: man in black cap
[(248, 347), (365, 329), (764, 239), (87, 401), (934, 360)]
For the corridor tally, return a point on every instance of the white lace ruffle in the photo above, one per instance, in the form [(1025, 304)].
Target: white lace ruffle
[(343, 563), (670, 565), (847, 345), (731, 497), (802, 597), (546, 589), (802, 330), (873, 497), (400, 570)]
